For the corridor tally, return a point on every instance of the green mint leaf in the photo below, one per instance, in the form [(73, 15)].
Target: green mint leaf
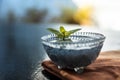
[(72, 31), (62, 29), (62, 34), (67, 34), (56, 32)]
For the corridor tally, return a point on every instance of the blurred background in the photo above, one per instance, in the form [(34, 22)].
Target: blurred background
[(104, 13), (23, 22)]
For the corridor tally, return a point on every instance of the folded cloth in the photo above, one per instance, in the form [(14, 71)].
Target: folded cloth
[(102, 69)]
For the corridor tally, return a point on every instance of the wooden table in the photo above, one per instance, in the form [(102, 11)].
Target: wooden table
[(106, 67)]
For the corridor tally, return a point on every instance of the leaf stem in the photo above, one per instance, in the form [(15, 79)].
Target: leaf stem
[(63, 36)]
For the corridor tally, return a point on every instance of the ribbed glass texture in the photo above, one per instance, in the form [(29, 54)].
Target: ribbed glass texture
[(79, 40)]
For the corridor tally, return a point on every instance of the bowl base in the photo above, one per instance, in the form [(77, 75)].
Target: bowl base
[(77, 69)]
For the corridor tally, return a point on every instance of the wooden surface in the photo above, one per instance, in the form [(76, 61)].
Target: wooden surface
[(106, 67)]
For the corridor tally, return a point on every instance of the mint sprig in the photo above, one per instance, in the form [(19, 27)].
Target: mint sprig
[(62, 33)]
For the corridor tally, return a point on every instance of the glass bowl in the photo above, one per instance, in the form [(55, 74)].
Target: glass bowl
[(76, 54)]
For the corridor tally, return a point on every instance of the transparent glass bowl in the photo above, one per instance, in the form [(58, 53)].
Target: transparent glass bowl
[(76, 54)]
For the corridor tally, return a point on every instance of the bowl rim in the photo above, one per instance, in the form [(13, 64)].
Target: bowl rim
[(92, 43)]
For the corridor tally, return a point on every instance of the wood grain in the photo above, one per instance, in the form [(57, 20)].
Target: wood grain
[(106, 67)]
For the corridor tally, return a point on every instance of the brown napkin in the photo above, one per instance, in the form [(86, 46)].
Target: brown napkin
[(104, 68)]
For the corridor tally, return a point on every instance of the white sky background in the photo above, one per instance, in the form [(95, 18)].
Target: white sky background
[(107, 12)]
